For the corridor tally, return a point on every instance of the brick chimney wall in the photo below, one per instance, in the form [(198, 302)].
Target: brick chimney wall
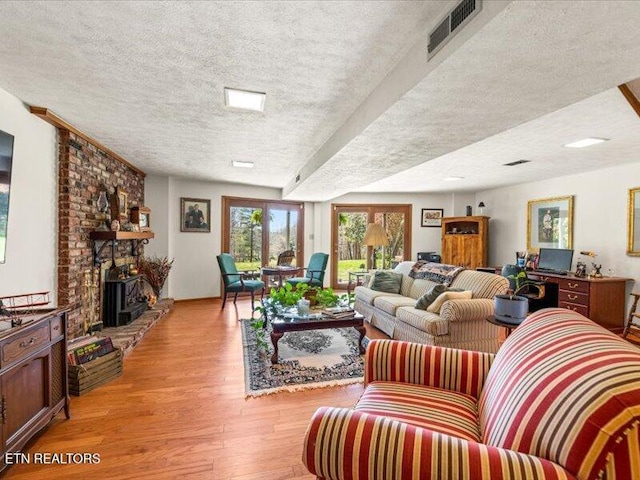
[(85, 170)]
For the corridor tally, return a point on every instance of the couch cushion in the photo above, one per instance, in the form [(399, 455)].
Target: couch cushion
[(428, 298), (386, 281), (391, 304), (420, 287), (482, 284), (439, 410), (448, 295), (564, 389), (432, 323), (366, 295)]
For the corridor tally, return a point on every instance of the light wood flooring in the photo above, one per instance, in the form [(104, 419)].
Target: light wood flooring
[(179, 410)]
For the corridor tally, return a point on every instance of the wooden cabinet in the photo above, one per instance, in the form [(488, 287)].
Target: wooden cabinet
[(33, 378), (600, 299), (465, 241)]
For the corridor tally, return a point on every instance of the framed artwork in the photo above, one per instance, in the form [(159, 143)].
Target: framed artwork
[(432, 217), (633, 215), (195, 215), (550, 223), (122, 205)]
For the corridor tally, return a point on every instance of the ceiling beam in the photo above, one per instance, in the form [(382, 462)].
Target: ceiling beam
[(50, 117), (631, 97)]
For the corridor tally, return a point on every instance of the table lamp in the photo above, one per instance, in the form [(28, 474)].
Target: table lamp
[(375, 236), (481, 207)]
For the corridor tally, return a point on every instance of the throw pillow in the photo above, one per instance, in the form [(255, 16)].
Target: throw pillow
[(386, 281), (449, 295), (428, 298)]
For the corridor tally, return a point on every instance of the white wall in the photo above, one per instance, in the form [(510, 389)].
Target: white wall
[(31, 255), (195, 272), (599, 216)]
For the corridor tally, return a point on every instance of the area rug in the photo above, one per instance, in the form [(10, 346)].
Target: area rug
[(309, 359)]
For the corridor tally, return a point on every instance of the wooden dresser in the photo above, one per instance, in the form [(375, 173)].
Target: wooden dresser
[(465, 241), (603, 300), (33, 377)]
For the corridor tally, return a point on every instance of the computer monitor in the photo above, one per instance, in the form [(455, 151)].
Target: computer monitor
[(558, 259)]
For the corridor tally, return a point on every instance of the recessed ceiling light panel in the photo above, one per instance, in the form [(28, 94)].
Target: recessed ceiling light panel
[(586, 142), (244, 99), (453, 179), (239, 164)]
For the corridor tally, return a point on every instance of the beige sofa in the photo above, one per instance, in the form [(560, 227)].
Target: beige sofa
[(460, 323)]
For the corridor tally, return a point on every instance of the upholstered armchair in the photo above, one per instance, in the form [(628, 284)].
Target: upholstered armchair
[(314, 273), (236, 281), (560, 400)]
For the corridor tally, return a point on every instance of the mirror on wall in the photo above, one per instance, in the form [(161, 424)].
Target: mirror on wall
[(633, 235), (6, 157)]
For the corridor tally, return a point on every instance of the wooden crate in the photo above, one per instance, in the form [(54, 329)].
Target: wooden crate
[(84, 378)]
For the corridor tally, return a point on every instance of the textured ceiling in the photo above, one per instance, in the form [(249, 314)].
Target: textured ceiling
[(146, 79)]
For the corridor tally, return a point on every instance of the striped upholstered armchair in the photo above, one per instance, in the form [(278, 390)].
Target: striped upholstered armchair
[(560, 400)]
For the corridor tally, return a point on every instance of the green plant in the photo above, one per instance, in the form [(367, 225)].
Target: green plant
[(522, 281), (286, 295), (326, 297), (258, 326)]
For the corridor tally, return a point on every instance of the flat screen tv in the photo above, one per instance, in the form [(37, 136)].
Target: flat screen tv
[(6, 157), (555, 259)]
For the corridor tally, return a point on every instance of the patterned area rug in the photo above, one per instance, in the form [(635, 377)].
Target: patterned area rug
[(310, 359)]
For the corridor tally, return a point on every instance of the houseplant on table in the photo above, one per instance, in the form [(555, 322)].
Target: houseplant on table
[(512, 308)]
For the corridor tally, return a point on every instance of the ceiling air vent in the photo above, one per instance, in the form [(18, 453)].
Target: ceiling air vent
[(517, 162), (457, 17)]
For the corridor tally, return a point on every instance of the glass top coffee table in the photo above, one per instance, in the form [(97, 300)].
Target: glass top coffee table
[(282, 323)]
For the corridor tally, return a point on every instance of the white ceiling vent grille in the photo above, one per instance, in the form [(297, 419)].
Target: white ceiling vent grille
[(451, 24)]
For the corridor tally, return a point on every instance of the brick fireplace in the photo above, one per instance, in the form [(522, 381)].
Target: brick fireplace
[(84, 169)]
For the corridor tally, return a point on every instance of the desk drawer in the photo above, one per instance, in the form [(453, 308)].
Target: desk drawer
[(573, 297), (581, 309), (23, 344), (573, 285)]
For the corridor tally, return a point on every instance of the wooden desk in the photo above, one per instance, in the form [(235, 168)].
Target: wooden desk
[(603, 300)]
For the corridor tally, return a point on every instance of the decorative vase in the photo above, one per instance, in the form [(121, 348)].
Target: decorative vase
[(511, 309)]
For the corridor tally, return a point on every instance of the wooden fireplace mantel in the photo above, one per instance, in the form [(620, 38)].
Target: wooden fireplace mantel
[(108, 237)]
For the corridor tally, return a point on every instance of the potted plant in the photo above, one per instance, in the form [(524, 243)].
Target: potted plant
[(513, 308)]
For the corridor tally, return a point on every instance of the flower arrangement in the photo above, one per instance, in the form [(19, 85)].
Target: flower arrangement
[(155, 271)]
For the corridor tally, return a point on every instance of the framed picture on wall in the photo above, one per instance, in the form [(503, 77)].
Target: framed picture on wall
[(432, 217), (122, 205), (195, 215), (550, 223)]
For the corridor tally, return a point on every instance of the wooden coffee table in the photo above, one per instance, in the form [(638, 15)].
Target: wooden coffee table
[(281, 324)]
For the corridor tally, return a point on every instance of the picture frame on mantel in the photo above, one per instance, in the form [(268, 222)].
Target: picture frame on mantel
[(550, 223), (195, 215), (432, 217)]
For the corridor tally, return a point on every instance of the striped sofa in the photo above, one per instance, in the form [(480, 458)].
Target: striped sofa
[(460, 324), (560, 400)]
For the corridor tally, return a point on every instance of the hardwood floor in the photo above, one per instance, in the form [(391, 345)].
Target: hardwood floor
[(179, 410)]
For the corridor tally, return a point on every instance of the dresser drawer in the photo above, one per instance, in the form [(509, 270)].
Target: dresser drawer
[(581, 309), (23, 344), (573, 297), (573, 285), (57, 328)]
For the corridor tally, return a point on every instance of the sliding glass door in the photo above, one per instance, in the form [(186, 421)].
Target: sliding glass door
[(256, 231), (350, 250)]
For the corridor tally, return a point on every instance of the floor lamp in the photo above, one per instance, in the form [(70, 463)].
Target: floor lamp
[(375, 236)]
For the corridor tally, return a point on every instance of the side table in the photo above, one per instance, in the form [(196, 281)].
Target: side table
[(355, 279), (509, 327)]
